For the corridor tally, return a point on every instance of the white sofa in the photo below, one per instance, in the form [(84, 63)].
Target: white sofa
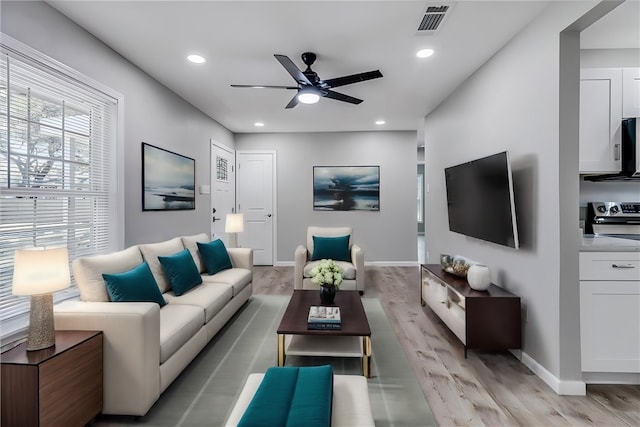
[(146, 347), (351, 405)]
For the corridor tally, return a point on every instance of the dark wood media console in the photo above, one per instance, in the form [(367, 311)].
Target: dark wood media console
[(486, 320)]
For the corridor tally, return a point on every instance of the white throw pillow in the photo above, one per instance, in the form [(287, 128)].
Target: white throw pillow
[(191, 243), (151, 252), (88, 271)]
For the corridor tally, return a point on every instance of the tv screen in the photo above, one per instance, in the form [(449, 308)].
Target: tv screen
[(480, 200)]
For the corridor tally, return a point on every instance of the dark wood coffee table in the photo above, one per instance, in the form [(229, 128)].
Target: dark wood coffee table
[(352, 340)]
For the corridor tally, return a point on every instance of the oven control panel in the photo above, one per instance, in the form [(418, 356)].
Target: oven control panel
[(613, 209)]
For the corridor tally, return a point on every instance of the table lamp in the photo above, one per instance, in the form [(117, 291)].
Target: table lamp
[(233, 226), (39, 272)]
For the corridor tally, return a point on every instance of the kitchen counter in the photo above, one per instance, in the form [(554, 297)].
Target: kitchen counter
[(591, 243)]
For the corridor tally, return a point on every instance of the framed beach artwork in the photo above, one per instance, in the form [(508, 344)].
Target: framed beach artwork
[(346, 188), (168, 180)]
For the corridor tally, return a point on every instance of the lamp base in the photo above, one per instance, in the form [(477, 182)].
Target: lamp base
[(41, 332), (233, 240)]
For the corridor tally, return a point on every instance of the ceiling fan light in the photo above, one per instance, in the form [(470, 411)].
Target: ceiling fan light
[(308, 97)]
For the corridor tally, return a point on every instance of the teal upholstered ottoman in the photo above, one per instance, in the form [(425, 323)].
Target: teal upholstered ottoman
[(291, 397)]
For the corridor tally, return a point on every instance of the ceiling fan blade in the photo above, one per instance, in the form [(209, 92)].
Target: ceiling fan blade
[(292, 69), (265, 87), (293, 102), (342, 97), (354, 78)]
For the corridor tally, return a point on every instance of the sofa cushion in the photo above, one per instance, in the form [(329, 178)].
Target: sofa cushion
[(210, 297), (335, 248), (88, 272), (238, 278), (215, 256), (181, 271), (151, 252), (348, 271), (191, 243), (178, 323), (135, 285)]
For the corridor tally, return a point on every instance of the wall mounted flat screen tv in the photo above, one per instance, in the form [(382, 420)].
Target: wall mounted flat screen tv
[(480, 200)]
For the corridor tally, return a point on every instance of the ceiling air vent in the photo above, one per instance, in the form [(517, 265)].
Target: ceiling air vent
[(433, 19)]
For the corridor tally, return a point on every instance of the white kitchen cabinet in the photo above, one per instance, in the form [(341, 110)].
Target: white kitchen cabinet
[(600, 120), (631, 92), (610, 311)]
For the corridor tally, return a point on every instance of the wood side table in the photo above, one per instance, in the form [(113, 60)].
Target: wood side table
[(57, 386)]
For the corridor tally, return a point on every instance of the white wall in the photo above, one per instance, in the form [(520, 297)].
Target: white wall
[(609, 58), (153, 114), (513, 103), (387, 236)]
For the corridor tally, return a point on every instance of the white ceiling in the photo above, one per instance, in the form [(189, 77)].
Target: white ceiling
[(239, 38)]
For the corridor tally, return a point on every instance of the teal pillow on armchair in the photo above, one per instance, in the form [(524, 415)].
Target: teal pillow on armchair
[(335, 248)]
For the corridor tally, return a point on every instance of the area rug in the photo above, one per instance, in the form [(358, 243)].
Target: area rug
[(205, 392)]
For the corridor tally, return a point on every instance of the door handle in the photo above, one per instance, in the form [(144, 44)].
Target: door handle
[(214, 219), (268, 215), (623, 266)]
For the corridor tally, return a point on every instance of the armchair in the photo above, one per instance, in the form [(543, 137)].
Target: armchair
[(353, 269)]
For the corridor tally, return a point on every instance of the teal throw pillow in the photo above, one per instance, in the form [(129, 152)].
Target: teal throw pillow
[(135, 285), (215, 256), (181, 271), (335, 248)]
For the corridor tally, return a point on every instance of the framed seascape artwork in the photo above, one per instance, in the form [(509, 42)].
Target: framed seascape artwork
[(346, 188), (168, 180)]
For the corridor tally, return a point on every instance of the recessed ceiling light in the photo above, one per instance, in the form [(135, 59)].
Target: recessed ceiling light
[(380, 122), (424, 53), (258, 124), (196, 59)]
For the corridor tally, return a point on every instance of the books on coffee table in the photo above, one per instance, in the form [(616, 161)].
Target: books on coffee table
[(321, 317)]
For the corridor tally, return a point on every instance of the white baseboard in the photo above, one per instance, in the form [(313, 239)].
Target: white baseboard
[(566, 388), (371, 263)]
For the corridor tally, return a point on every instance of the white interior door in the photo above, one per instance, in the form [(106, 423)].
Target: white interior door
[(223, 188), (256, 200)]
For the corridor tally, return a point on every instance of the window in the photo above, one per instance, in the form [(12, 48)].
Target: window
[(58, 173), (222, 173), (420, 197)]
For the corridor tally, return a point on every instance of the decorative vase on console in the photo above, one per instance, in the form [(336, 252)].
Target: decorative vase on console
[(479, 277), (328, 275)]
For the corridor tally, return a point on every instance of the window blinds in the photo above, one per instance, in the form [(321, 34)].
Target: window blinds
[(57, 166)]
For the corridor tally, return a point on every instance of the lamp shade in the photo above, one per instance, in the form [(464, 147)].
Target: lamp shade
[(234, 224), (39, 271)]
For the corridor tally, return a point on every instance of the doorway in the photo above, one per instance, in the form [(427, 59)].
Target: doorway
[(256, 190), (223, 188)]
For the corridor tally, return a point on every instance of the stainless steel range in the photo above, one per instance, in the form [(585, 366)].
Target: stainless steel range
[(617, 219)]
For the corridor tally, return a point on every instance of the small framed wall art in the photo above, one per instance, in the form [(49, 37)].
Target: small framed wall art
[(346, 188), (168, 180)]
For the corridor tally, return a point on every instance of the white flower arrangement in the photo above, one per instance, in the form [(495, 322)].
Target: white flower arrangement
[(327, 272)]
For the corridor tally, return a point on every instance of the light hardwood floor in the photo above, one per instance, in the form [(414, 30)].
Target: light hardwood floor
[(491, 389)]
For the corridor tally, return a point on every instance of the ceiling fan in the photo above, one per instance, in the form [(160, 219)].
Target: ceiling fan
[(310, 88)]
